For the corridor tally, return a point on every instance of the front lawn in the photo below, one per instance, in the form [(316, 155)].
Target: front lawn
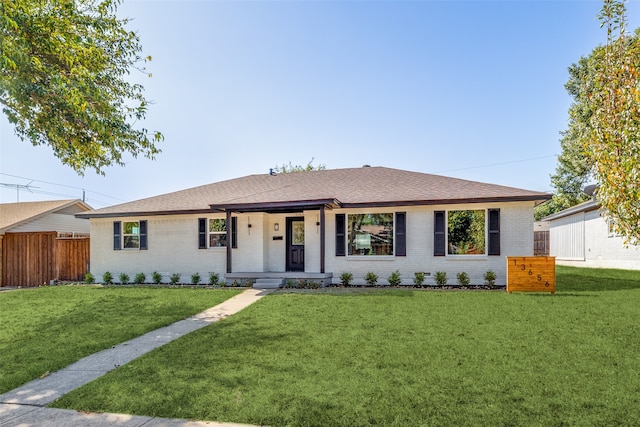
[(400, 357), (45, 329)]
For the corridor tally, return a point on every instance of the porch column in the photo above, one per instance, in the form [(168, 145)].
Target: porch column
[(229, 239), (322, 239)]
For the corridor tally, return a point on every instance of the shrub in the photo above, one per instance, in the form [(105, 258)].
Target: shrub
[(223, 284), (418, 278), (346, 279), (156, 278), (124, 279), (214, 278), (395, 279), (490, 278), (195, 279), (463, 279), (107, 278), (371, 278), (140, 278), (441, 278), (174, 278), (89, 278)]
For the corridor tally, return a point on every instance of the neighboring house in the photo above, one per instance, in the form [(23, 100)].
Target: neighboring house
[(581, 236), (317, 225), (42, 241)]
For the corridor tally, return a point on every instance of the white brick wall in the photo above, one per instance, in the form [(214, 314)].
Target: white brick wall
[(173, 246)]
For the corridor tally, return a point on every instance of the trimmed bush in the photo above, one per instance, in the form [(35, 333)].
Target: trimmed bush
[(195, 279), (156, 278), (346, 279), (89, 278), (371, 278), (490, 278), (441, 278), (214, 279), (418, 278), (107, 278), (174, 278), (394, 279), (140, 278), (463, 279), (124, 279)]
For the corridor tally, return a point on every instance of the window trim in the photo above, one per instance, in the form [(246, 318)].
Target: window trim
[(441, 234), (119, 235)]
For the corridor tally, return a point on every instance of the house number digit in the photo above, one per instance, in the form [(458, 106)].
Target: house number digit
[(539, 277), (523, 267)]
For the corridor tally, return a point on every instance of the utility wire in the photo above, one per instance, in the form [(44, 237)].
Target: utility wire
[(496, 164)]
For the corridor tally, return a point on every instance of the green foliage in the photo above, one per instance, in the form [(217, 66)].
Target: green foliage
[(603, 138), (466, 231), (298, 168), (195, 279), (107, 278), (371, 278), (156, 278), (395, 279), (490, 278), (418, 278), (139, 278), (463, 279), (214, 278), (441, 278), (174, 278), (346, 278), (124, 279), (89, 278), (64, 81)]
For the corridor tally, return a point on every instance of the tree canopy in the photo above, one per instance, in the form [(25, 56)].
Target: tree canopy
[(298, 168), (63, 81), (602, 142)]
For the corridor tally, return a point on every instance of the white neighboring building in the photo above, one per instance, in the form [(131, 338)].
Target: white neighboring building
[(582, 237)]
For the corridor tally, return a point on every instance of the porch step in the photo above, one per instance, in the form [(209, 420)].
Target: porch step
[(268, 283)]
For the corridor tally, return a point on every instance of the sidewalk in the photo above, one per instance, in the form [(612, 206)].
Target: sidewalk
[(25, 406)]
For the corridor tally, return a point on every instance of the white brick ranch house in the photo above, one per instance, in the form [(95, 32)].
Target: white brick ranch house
[(317, 225)]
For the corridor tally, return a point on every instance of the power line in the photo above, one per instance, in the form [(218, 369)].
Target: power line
[(497, 164)]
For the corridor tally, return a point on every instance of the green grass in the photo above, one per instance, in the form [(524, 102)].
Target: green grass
[(400, 357), (45, 329)]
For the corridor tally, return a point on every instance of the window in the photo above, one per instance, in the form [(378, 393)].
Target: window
[(466, 232), (370, 234), (212, 233), (130, 235), (217, 233)]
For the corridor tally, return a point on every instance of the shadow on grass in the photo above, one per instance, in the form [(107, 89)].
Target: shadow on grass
[(575, 279)]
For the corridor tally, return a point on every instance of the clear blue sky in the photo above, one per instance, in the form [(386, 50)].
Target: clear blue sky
[(471, 89)]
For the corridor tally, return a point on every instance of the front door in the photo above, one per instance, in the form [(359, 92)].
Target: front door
[(295, 244)]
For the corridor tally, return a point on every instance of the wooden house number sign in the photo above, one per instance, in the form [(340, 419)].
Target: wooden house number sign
[(531, 274)]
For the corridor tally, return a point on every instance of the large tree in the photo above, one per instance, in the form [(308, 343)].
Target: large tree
[(602, 142), (64, 66)]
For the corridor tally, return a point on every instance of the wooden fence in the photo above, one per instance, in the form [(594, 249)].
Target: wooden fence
[(34, 259), (541, 243)]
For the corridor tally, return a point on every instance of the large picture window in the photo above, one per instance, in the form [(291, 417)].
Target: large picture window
[(217, 233), (370, 234), (466, 232)]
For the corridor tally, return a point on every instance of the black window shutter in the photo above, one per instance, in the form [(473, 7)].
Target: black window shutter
[(202, 233), (234, 231), (340, 235), (439, 233), (143, 234), (116, 235), (494, 232), (401, 233)]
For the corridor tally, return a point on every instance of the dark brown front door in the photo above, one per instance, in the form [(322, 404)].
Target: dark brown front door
[(295, 244)]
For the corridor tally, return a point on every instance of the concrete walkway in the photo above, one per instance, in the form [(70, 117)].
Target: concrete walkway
[(25, 406)]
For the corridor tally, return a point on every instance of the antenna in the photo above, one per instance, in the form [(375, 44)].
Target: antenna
[(18, 187)]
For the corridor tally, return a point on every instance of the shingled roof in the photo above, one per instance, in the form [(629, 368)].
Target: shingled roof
[(353, 187), (14, 214)]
